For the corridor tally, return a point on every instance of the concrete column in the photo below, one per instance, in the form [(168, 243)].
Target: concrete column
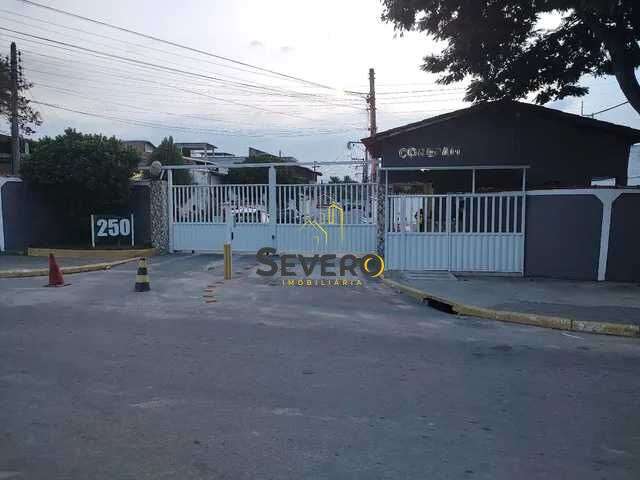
[(607, 197), (273, 205), (170, 207)]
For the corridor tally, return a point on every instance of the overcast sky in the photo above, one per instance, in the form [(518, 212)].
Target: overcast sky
[(201, 98)]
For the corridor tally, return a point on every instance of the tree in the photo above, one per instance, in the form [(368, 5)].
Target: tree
[(346, 179), (167, 153), (79, 175), (499, 44), (285, 175), (26, 115)]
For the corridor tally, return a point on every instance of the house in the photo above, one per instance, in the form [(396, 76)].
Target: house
[(510, 187), (210, 174), (486, 146), (196, 149), (308, 174), (143, 147)]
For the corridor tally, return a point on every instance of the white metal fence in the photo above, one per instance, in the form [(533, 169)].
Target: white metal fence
[(291, 218), (206, 203), (348, 203), (459, 232)]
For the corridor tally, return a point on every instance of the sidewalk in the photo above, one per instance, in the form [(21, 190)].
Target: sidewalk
[(604, 302)]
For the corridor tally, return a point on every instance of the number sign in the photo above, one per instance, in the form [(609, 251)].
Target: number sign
[(111, 230)]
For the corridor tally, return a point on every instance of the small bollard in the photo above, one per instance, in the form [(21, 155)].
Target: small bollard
[(142, 277), (227, 261)]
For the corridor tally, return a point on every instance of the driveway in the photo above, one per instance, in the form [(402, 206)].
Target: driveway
[(199, 379)]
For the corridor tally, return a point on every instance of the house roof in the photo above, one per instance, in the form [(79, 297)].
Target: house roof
[(254, 152), (195, 145), (131, 142), (508, 105)]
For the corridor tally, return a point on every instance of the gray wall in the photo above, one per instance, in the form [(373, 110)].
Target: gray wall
[(26, 216), (623, 261), (563, 236), (140, 206), (29, 221)]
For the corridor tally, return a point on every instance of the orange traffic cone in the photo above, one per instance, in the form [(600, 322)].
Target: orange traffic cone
[(55, 275)]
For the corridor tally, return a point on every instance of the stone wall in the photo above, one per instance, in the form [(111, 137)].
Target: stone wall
[(159, 218)]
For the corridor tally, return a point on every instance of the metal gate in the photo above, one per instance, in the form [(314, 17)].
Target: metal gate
[(458, 232), (316, 218)]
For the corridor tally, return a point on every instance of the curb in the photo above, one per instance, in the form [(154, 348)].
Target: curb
[(43, 272), (544, 321), (93, 253)]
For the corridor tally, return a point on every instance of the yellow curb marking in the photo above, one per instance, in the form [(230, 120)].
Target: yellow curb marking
[(558, 323), (43, 272)]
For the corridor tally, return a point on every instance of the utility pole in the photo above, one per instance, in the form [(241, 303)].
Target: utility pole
[(364, 160), (365, 167), (373, 127), (15, 134)]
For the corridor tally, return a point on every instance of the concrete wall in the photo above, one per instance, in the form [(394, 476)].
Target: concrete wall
[(28, 220), (563, 236), (27, 216), (623, 261), (140, 206)]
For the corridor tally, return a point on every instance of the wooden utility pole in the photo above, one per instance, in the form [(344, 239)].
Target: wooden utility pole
[(15, 134), (373, 127), (365, 167)]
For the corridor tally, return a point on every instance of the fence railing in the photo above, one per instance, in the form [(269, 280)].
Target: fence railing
[(456, 213), (346, 204), (208, 203)]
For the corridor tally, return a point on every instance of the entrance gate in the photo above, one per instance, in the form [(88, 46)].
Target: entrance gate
[(315, 218), (456, 232)]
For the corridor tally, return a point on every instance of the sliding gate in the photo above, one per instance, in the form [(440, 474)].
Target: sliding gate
[(459, 232), (316, 218)]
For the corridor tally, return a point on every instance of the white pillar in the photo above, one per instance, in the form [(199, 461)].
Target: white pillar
[(272, 195), (607, 197), (170, 207), (273, 205)]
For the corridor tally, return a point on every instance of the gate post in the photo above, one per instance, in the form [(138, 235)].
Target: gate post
[(448, 208), (170, 207), (273, 207), (381, 209)]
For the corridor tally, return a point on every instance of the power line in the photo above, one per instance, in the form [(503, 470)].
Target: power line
[(170, 87), (148, 124), (125, 42), (140, 62), (174, 44), (140, 109), (312, 97), (440, 90), (607, 109), (230, 84), (155, 66)]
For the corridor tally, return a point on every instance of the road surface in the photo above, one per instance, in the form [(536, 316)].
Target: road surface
[(252, 380)]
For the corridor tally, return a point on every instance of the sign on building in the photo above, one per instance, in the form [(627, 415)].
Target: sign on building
[(112, 230)]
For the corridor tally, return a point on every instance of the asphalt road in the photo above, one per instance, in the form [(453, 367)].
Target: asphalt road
[(253, 380)]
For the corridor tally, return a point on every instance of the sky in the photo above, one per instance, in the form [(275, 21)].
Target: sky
[(154, 90)]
